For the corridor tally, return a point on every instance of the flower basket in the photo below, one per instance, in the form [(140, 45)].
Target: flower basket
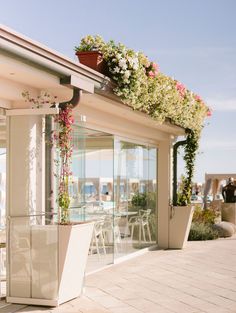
[(93, 59)]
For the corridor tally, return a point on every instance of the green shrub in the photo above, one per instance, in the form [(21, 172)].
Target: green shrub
[(143, 201), (207, 216), (139, 199), (202, 231)]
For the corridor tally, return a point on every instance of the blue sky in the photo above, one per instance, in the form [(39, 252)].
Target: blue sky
[(192, 41)]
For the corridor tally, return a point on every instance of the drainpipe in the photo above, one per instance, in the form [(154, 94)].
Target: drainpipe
[(77, 92), (175, 152)]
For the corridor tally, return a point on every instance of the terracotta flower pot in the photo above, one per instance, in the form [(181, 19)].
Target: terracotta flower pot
[(93, 59)]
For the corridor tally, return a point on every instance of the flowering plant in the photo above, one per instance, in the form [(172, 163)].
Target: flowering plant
[(62, 140), (40, 101), (141, 85), (90, 43)]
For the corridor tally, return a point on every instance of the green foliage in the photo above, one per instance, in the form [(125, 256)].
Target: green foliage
[(146, 200), (190, 150), (90, 43), (183, 197), (202, 231), (140, 85), (139, 199), (202, 227), (64, 203), (207, 216)]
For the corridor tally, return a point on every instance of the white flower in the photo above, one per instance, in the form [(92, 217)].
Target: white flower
[(126, 74), (135, 63), (118, 56), (122, 64), (116, 69), (131, 61)]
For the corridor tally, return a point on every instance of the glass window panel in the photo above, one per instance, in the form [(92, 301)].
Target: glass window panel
[(135, 212), (94, 200)]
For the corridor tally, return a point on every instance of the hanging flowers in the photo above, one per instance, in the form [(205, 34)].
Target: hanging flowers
[(63, 140), (152, 70), (181, 89), (141, 85)]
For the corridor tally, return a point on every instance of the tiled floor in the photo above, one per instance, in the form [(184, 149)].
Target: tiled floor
[(200, 278)]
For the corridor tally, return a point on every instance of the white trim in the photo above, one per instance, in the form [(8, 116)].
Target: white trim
[(36, 52), (49, 111), (136, 141)]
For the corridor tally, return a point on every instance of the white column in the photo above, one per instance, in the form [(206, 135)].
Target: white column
[(25, 165), (164, 188), (25, 195)]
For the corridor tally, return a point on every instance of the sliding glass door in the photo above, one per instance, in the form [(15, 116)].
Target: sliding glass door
[(135, 194), (114, 185)]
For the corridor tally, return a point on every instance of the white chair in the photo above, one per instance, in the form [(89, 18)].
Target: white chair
[(111, 231), (98, 238), (142, 222)]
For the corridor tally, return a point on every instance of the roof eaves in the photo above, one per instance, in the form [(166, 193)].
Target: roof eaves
[(21, 45)]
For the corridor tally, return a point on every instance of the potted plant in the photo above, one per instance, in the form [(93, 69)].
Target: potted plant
[(181, 212), (140, 85), (74, 238), (90, 53)]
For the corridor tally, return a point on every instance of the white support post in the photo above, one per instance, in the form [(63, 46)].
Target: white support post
[(26, 165), (25, 195)]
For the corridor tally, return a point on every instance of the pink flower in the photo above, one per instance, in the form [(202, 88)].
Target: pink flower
[(152, 70), (151, 74), (209, 113), (181, 88), (198, 98), (156, 68)]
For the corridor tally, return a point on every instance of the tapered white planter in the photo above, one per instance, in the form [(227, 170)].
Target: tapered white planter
[(73, 252), (53, 264), (179, 226)]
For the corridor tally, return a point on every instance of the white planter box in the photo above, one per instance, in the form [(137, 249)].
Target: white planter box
[(179, 227), (57, 259)]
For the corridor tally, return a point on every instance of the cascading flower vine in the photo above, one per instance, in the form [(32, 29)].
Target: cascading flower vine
[(152, 70), (141, 85), (181, 88), (63, 140)]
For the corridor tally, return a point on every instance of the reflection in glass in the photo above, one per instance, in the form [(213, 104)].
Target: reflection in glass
[(114, 185), (135, 210)]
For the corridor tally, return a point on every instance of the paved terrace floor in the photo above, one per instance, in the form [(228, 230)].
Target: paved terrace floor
[(200, 278)]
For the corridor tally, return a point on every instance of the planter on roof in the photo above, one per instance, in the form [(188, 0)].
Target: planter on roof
[(93, 59)]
